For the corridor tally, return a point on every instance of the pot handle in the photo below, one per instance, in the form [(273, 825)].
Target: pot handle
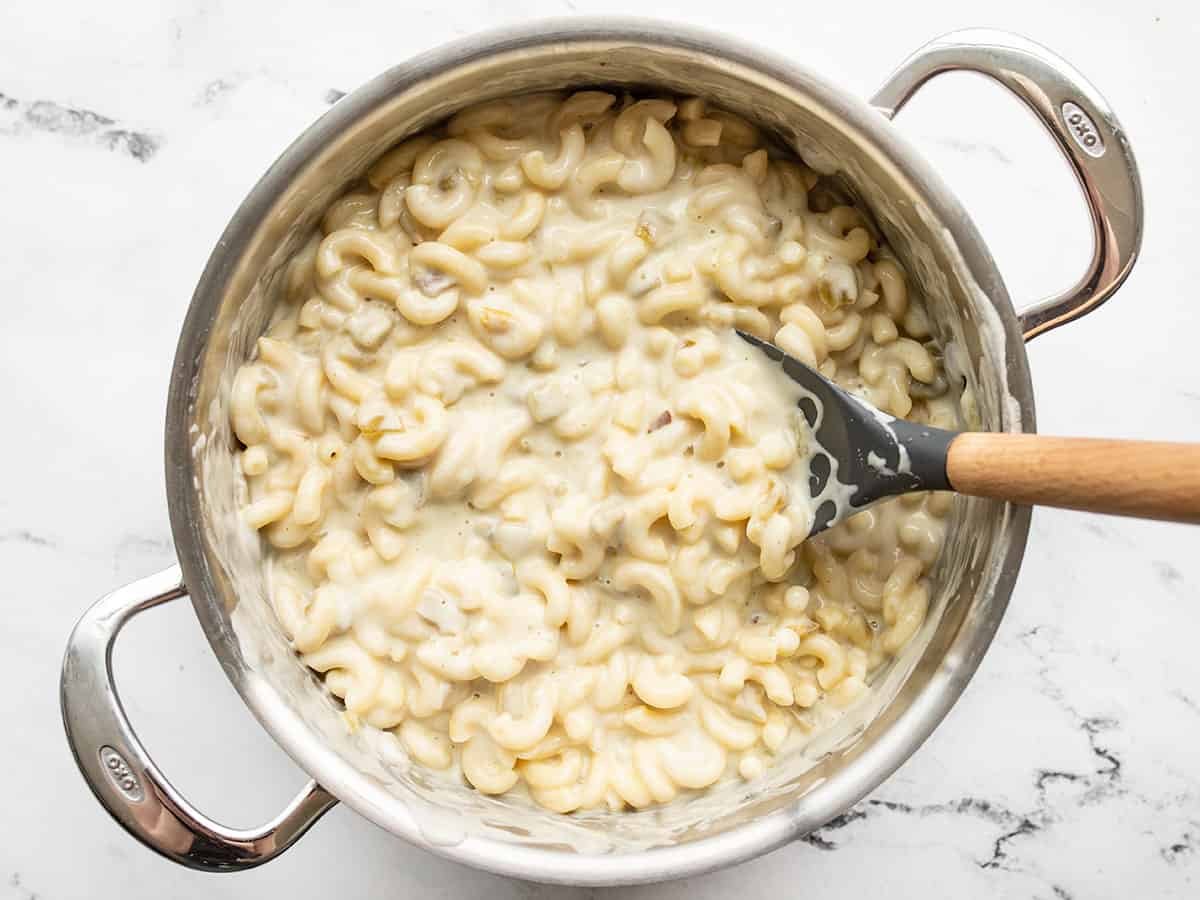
[(1083, 126), (121, 774)]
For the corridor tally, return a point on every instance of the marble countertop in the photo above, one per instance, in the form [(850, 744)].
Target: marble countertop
[(129, 132)]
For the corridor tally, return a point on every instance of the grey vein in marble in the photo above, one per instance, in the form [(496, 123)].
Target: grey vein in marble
[(1014, 823), (1186, 846), (1186, 701), (218, 88), (969, 147), (24, 536), (138, 545), (20, 117), (1167, 573), (19, 888)]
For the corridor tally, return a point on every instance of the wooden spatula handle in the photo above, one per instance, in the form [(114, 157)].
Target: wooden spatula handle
[(1148, 479)]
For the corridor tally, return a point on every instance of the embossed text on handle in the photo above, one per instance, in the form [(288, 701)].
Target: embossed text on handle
[(121, 775), (1081, 127)]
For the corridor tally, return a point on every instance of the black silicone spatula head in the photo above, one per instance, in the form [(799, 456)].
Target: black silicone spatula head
[(862, 454)]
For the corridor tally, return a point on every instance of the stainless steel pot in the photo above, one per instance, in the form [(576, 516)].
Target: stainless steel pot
[(218, 568)]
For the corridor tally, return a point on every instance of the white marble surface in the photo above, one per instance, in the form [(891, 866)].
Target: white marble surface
[(128, 134)]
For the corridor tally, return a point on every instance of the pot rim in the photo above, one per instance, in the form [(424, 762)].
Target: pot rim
[(860, 776)]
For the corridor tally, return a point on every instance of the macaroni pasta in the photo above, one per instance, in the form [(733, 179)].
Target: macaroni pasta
[(530, 503)]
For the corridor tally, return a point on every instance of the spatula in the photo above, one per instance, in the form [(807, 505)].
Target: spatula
[(870, 455)]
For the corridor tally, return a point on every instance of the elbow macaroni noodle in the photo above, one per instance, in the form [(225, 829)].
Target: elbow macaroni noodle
[(531, 504)]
